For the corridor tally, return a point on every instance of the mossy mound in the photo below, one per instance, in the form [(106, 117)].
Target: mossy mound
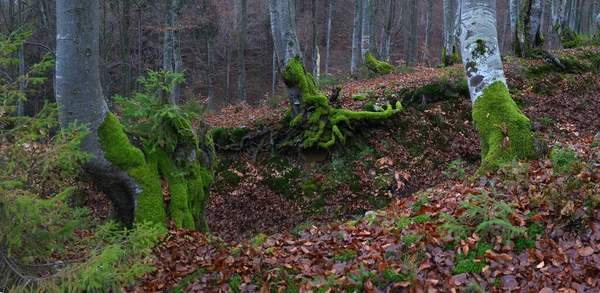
[(380, 67), (505, 133), (184, 170), (323, 125), (455, 58)]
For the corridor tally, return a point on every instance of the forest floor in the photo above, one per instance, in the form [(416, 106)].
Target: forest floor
[(281, 224)]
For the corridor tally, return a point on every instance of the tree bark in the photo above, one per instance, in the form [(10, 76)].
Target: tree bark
[(514, 19), (414, 44), (356, 35), (528, 33), (365, 38), (283, 27), (172, 61), (315, 51), (79, 94), (504, 132), (328, 45), (241, 84), (449, 46), (126, 47), (21, 54), (388, 29), (428, 30)]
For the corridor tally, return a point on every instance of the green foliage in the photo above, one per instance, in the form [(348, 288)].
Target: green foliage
[(10, 93), (125, 255), (421, 219), (150, 116), (259, 239), (467, 263), (456, 169), (397, 277), (417, 205), (410, 239), (483, 215), (344, 255), (564, 160)]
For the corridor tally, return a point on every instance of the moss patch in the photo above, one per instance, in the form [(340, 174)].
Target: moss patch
[(380, 67), (118, 150), (504, 131), (326, 125)]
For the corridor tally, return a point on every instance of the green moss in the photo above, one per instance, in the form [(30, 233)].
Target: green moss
[(238, 133), (468, 263), (395, 277), (323, 128), (422, 219), (444, 57), (455, 57), (344, 255), (496, 117), (410, 239), (359, 97), (119, 151), (380, 67), (259, 239), (481, 49)]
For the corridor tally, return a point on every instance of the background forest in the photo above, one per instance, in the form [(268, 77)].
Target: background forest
[(299, 146)]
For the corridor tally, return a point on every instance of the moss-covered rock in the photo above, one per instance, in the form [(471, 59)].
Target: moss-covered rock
[(380, 67), (505, 133)]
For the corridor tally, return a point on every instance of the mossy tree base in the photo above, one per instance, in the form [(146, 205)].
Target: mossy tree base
[(504, 131), (187, 177), (379, 67), (323, 125)]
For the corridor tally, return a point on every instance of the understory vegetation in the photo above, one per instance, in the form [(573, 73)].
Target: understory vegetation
[(391, 203)]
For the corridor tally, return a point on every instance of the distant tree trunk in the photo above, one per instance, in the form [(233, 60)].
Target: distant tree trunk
[(241, 85), (274, 74), (283, 27), (505, 27), (405, 35), (388, 29), (414, 44), (373, 25), (328, 46), (449, 46), (504, 132), (315, 51), (514, 18), (528, 33), (209, 69), (428, 30), (365, 39), (126, 48), (21, 54), (598, 22), (356, 37), (171, 53)]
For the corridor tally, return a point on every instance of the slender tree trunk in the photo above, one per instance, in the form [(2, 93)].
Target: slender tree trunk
[(528, 33), (514, 18), (405, 35), (503, 130), (388, 29), (126, 48), (365, 39), (448, 49), (505, 26), (414, 44), (241, 85), (209, 69), (283, 27), (356, 36), (328, 46), (373, 25), (274, 74), (21, 54), (428, 30), (315, 51), (168, 39)]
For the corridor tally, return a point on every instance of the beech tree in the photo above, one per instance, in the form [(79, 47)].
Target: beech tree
[(128, 176), (529, 37), (504, 131)]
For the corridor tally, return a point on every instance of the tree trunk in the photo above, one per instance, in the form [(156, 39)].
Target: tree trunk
[(504, 132), (315, 52), (328, 45), (405, 35), (373, 25), (274, 73), (414, 44), (356, 34), (528, 32), (428, 30), (172, 61), (388, 29), (21, 54), (79, 94), (126, 48), (241, 84), (365, 39), (283, 27), (209, 69), (514, 19), (449, 46)]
